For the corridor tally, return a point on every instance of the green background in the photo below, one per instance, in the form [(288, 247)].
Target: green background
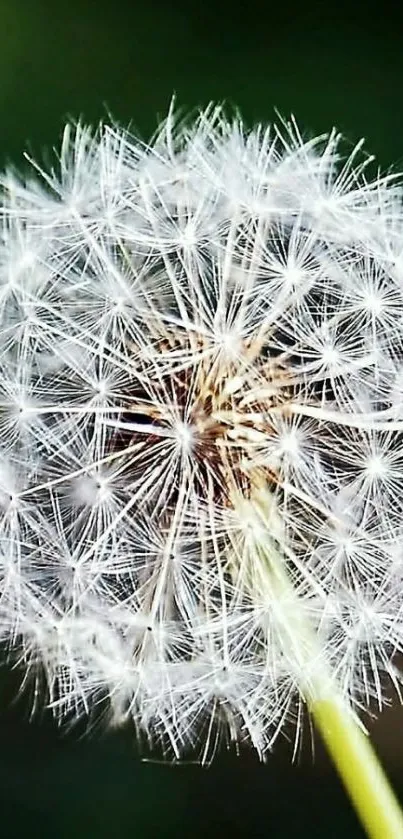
[(327, 64)]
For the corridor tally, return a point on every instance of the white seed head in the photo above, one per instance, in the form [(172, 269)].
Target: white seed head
[(201, 352)]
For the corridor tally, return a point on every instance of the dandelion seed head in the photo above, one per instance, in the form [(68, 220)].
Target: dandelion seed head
[(201, 351)]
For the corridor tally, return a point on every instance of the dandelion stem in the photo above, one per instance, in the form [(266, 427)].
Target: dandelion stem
[(359, 768), (263, 569)]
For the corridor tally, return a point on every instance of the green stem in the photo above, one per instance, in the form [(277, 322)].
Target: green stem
[(262, 570), (359, 768)]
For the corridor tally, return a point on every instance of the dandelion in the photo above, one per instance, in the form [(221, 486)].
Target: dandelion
[(201, 437)]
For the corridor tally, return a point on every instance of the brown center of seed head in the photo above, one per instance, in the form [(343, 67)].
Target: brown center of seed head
[(216, 408)]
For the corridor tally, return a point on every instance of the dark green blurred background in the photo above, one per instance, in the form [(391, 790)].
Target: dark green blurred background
[(328, 64)]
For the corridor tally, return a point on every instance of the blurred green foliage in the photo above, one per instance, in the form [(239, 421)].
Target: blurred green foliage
[(325, 63)]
